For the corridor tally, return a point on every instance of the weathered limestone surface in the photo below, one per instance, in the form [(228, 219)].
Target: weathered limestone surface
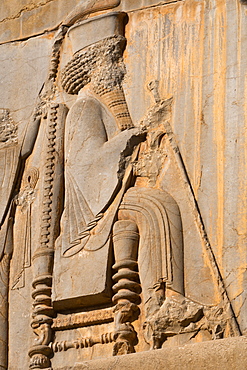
[(20, 20), (123, 184), (223, 354), (201, 47)]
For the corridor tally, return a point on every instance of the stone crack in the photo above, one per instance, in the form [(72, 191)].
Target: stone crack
[(27, 8)]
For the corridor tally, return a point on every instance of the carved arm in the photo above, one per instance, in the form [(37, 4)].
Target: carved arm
[(30, 136)]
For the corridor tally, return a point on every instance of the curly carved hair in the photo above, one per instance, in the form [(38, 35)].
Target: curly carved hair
[(101, 64)]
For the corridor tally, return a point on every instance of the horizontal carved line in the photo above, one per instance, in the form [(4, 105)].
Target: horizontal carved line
[(83, 319)]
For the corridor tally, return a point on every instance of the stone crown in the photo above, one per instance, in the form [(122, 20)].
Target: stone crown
[(95, 29)]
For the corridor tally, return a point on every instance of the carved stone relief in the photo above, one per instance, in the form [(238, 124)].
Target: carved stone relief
[(24, 200), (100, 223)]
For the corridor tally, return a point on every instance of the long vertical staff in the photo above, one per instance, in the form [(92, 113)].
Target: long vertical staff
[(171, 141)]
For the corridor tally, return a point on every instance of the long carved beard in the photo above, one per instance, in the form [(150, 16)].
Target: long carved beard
[(115, 100), (107, 83)]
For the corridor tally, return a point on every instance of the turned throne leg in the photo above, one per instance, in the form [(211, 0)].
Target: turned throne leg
[(126, 286)]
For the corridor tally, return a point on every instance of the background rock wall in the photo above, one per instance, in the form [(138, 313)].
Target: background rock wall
[(197, 51)]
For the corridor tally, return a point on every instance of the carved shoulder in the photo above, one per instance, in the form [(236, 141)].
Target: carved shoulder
[(85, 121)]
